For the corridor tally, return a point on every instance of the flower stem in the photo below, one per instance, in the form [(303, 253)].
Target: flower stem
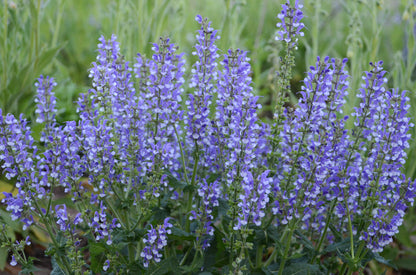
[(287, 246)]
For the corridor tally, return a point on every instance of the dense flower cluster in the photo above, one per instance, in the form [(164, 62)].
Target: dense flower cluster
[(161, 85), (382, 119), (63, 220), (204, 75), (155, 240), (360, 173), (238, 137), (101, 228), (18, 155), (45, 99), (309, 152)]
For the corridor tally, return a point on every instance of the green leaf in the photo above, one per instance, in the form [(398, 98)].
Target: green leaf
[(304, 240), (6, 219), (271, 270), (189, 188), (222, 207), (384, 261), (47, 56), (336, 232), (164, 267), (302, 269), (174, 182), (180, 234), (4, 252), (97, 256), (56, 269), (406, 263), (338, 246)]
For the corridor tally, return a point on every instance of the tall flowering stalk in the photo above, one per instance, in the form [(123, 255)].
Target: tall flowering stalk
[(238, 137), (326, 173), (204, 75), (22, 162), (289, 29), (237, 131), (198, 127), (161, 89), (155, 241), (383, 124), (310, 150), (18, 156), (46, 104)]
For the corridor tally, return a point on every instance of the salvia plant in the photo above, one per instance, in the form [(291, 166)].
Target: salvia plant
[(160, 180)]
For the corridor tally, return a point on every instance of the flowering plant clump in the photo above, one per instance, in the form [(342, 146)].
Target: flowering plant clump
[(163, 179)]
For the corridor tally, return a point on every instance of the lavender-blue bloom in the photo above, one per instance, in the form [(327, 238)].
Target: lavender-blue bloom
[(106, 265), (17, 155), (99, 155), (204, 75), (45, 100), (13, 262), (209, 193), (237, 137), (17, 148), (253, 199), (382, 116), (63, 219), (101, 74), (290, 26), (155, 241), (101, 227), (45, 104), (311, 146), (236, 127), (161, 88)]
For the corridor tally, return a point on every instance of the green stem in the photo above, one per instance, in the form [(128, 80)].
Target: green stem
[(37, 34), (117, 214), (323, 236), (185, 257), (195, 164), (259, 255), (190, 192), (350, 230), (182, 154), (343, 269), (63, 263), (131, 252), (272, 256), (58, 23), (5, 52), (315, 28), (287, 246)]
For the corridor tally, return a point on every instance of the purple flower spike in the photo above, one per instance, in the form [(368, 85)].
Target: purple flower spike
[(62, 216), (382, 116), (45, 100), (204, 75), (161, 89), (155, 241), (315, 139), (290, 26), (101, 227), (63, 219)]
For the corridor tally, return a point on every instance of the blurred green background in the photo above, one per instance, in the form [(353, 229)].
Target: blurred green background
[(59, 38)]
